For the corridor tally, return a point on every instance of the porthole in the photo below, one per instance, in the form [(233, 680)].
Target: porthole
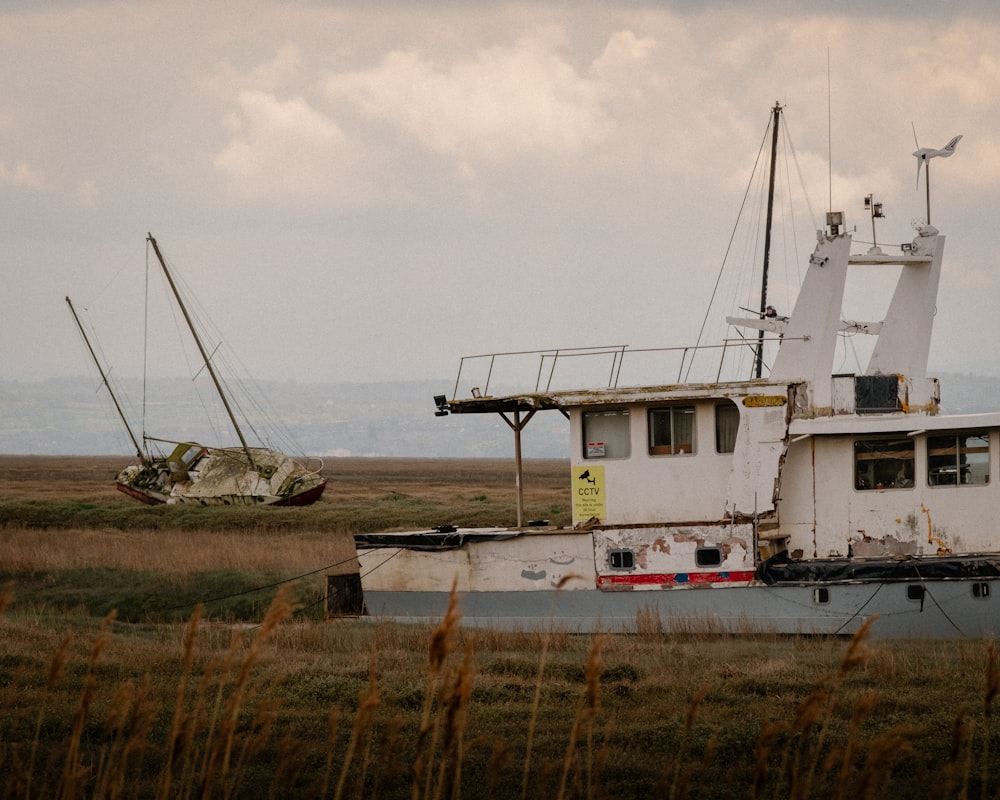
[(821, 595), (915, 591), (708, 557), (621, 559), (981, 590)]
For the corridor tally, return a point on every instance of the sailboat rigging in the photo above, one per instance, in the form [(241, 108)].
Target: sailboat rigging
[(201, 347), (104, 379), (195, 473), (776, 118)]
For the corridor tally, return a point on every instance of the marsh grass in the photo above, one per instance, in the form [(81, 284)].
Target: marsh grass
[(123, 673), (362, 495), (294, 709)]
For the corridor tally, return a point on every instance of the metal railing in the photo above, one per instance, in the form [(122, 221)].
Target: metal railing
[(550, 358)]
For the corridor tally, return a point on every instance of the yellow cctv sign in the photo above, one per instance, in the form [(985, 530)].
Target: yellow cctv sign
[(588, 494)]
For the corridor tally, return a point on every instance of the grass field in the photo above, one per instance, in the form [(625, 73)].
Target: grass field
[(154, 652)]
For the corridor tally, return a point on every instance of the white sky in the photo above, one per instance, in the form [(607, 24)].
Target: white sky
[(368, 191)]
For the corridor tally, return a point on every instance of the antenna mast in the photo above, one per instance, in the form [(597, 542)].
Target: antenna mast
[(201, 349), (776, 116), (104, 380)]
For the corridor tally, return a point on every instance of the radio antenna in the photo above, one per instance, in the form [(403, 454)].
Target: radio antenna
[(829, 132)]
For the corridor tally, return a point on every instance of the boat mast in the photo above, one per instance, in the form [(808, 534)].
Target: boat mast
[(104, 380), (201, 349), (776, 114)]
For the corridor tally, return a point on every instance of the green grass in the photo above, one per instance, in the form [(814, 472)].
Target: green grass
[(137, 596), (389, 511)]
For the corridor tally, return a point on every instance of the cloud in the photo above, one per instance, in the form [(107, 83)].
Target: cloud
[(500, 102), (361, 131), (22, 175), (546, 167), (286, 150)]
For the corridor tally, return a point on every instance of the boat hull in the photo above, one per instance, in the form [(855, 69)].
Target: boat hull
[(555, 579), (939, 609)]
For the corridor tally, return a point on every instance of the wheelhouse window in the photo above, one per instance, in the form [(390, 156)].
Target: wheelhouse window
[(883, 464), (671, 430), (727, 423), (606, 434), (958, 459)]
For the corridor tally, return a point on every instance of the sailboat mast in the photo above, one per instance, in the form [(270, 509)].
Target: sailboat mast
[(776, 113), (104, 379), (201, 348)]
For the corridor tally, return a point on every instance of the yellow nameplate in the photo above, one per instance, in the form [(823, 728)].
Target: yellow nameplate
[(763, 400)]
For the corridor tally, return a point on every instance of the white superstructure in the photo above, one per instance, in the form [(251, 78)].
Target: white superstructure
[(804, 501)]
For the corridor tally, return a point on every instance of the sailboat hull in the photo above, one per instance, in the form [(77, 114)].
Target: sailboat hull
[(222, 477)]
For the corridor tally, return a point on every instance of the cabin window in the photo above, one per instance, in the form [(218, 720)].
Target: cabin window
[(876, 394), (981, 590), (883, 464), (958, 460), (606, 434), (621, 559), (821, 595), (708, 557), (671, 430), (727, 422), (915, 592)]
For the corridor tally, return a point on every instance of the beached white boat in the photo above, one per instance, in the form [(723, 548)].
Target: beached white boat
[(191, 472), (801, 501)]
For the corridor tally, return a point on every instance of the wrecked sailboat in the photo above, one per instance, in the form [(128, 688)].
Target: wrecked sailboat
[(798, 501), (206, 475)]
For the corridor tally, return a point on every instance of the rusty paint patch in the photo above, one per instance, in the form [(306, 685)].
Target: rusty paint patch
[(888, 545), (942, 546), (680, 538)]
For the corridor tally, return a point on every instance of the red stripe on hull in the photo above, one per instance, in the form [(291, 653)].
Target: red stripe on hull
[(675, 578)]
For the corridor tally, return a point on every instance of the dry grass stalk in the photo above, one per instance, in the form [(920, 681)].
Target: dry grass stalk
[(332, 724), (882, 753), (455, 705), (548, 639), (219, 754), (678, 783), (768, 738), (6, 596), (955, 771), (857, 654), (57, 666), (589, 704), (360, 733), (441, 645), (130, 721), (861, 712), (180, 731), (992, 687), (74, 773)]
